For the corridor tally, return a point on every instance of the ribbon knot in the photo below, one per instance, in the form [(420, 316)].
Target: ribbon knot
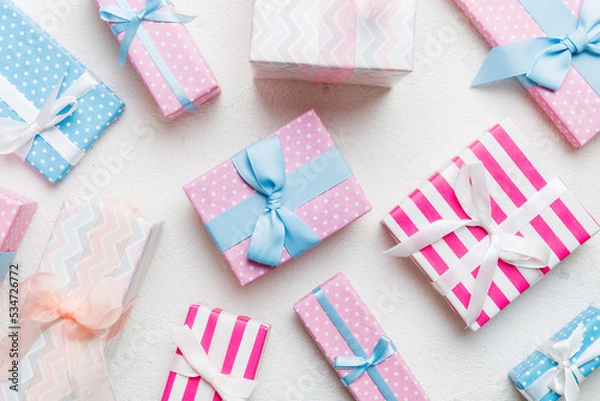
[(384, 349), (577, 41), (473, 193), (274, 200)]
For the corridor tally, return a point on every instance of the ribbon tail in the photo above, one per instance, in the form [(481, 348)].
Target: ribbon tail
[(233, 388), (571, 387), (482, 285), (13, 136), (354, 375), (299, 236), (266, 245), (425, 237), (511, 60)]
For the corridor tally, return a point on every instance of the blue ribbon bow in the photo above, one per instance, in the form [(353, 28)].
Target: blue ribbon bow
[(546, 61), (128, 21), (384, 349), (262, 166)]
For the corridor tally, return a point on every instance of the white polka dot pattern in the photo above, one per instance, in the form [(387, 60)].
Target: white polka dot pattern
[(33, 62), (181, 53), (302, 140), (367, 332), (16, 212), (575, 107)]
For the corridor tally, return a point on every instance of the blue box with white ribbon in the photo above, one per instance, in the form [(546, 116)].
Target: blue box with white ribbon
[(52, 109), (560, 365)]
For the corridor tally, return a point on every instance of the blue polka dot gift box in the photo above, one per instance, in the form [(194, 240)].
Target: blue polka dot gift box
[(52, 109), (560, 365)]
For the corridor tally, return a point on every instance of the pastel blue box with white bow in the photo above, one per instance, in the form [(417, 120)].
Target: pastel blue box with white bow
[(52, 109), (559, 366)]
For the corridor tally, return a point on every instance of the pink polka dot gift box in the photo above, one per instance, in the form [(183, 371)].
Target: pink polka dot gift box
[(354, 343), (278, 198), (217, 358), (155, 38), (16, 212), (490, 224), (552, 47)]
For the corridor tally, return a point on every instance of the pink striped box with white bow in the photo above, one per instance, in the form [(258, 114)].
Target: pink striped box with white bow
[(218, 356), (16, 212), (363, 42), (490, 224)]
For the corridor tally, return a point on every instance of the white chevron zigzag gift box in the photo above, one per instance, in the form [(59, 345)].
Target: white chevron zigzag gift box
[(363, 42), (77, 303)]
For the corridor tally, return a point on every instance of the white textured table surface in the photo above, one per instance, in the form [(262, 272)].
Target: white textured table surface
[(391, 138)]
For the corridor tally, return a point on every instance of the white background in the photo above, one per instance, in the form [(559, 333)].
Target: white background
[(392, 139)]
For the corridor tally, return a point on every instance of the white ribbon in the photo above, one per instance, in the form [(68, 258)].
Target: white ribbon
[(564, 378), (194, 363), (473, 193), (18, 136)]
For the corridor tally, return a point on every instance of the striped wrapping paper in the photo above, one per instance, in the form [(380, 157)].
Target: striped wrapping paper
[(235, 343), (328, 41), (88, 236), (516, 173), (16, 212)]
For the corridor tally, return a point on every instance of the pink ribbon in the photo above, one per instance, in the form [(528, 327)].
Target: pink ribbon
[(79, 326), (369, 8)]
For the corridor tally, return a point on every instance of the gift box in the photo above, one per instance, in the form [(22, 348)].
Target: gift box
[(365, 42), (52, 109), (559, 366), (218, 356), (159, 46), (278, 198), (354, 343), (573, 104), (16, 212), (78, 302), (490, 224)]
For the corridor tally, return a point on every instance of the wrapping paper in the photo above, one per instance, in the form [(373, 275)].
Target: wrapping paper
[(574, 108), (87, 230), (35, 63), (304, 140), (366, 330), (328, 41), (536, 365), (182, 56), (16, 212), (235, 343), (518, 175)]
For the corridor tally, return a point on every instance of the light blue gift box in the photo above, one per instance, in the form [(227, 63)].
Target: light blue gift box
[(33, 63), (533, 374)]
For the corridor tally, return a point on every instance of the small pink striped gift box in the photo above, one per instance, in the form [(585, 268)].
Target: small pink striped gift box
[(16, 212), (218, 356), (163, 52), (349, 335), (575, 107), (490, 224), (317, 187)]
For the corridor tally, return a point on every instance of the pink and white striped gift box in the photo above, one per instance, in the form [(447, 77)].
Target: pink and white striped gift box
[(181, 55), (519, 178), (575, 107), (233, 343)]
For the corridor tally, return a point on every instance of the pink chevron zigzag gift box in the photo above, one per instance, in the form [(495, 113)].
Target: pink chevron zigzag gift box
[(16, 212), (77, 302), (305, 185), (161, 49), (354, 343), (489, 225), (575, 106), (218, 356), (364, 42)]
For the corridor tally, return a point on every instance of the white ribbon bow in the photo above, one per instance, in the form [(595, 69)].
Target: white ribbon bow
[(369, 8), (473, 193), (195, 363), (564, 378)]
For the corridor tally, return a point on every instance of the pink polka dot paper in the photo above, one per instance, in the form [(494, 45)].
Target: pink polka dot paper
[(575, 107), (302, 140), (367, 332), (181, 53), (16, 212)]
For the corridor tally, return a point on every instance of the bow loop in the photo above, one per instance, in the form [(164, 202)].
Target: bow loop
[(384, 349)]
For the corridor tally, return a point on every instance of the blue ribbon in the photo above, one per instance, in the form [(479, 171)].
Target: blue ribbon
[(268, 215), (6, 259), (362, 363), (546, 61), (125, 19)]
